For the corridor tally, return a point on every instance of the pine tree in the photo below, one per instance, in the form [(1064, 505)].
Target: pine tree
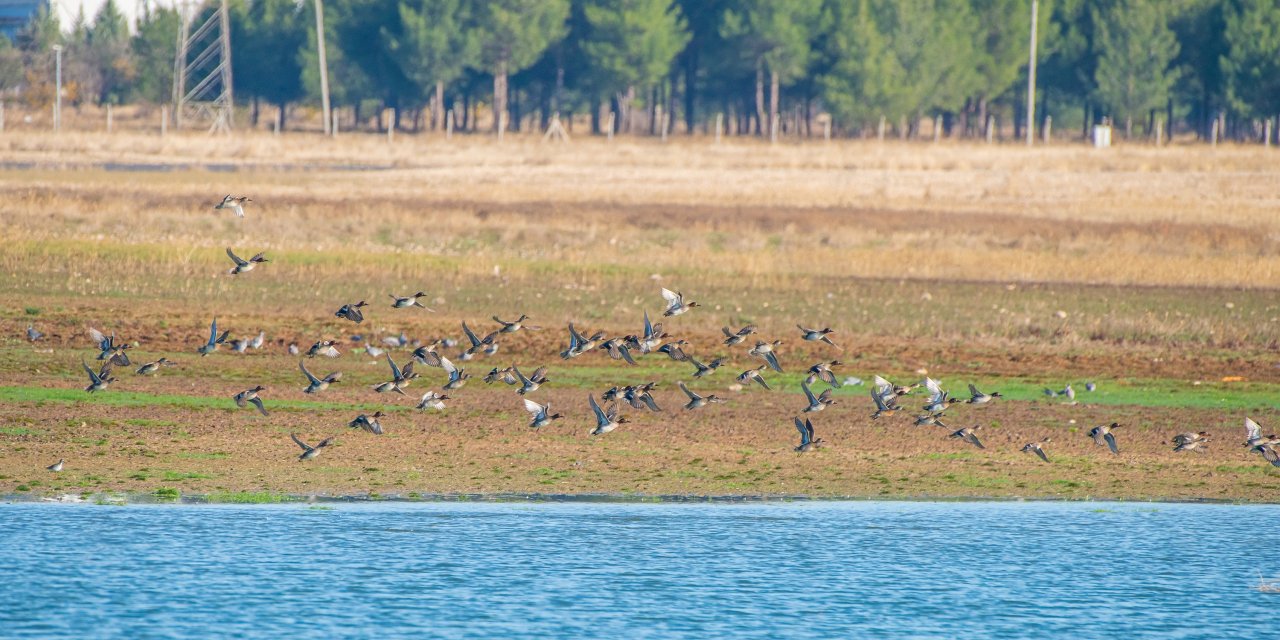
[(511, 35), (1252, 65), (267, 37), (109, 52), (631, 43), (778, 35), (1135, 47), (432, 46), (154, 49)]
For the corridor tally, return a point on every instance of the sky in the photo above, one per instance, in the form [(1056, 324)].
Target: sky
[(67, 9)]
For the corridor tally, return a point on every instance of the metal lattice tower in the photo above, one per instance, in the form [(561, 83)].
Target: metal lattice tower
[(202, 69)]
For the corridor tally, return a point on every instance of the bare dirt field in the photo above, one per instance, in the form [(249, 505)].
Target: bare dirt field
[(1152, 272)]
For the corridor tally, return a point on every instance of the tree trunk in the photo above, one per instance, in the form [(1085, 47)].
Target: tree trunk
[(595, 116), (759, 93), (774, 116), (437, 108), (283, 113), (499, 93), (690, 77), (514, 123), (982, 116), (254, 118)]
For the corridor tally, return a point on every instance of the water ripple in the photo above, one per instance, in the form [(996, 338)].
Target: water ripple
[(879, 569)]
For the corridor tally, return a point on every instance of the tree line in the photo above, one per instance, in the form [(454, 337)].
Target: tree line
[(644, 66)]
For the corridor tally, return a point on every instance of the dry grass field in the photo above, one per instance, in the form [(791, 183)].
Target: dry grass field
[(1152, 271)]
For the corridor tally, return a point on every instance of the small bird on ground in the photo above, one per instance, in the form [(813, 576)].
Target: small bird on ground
[(696, 401), (540, 414), (57, 466), (1102, 436), (818, 402), (316, 385), (675, 303), (409, 301), (818, 335), (732, 338), (33, 334), (251, 396), (807, 442), (1066, 392), (234, 203), (243, 265), (98, 380), (214, 339), (970, 435), (352, 312), (368, 423), (308, 451), (753, 375), (152, 367), (432, 400)]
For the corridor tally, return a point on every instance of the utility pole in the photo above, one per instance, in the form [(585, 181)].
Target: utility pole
[(1031, 77), (324, 69), (57, 85)]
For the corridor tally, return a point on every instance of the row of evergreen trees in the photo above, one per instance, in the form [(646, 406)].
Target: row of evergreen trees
[(756, 62)]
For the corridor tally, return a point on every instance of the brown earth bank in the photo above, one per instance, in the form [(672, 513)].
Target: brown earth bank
[(481, 444)]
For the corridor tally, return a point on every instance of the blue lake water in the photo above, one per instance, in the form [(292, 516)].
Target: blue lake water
[(821, 570)]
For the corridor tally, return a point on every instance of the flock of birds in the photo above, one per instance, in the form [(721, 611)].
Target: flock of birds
[(886, 397)]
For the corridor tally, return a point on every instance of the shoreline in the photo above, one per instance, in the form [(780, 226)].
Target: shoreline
[(132, 498)]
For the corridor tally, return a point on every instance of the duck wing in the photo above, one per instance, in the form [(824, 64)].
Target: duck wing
[(305, 446), (805, 434), (257, 402), (772, 358), (1111, 442), (533, 408), (1252, 430), (601, 419), (240, 262), (687, 392), (302, 365)]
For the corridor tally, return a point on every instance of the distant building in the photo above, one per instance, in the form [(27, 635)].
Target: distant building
[(15, 14)]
